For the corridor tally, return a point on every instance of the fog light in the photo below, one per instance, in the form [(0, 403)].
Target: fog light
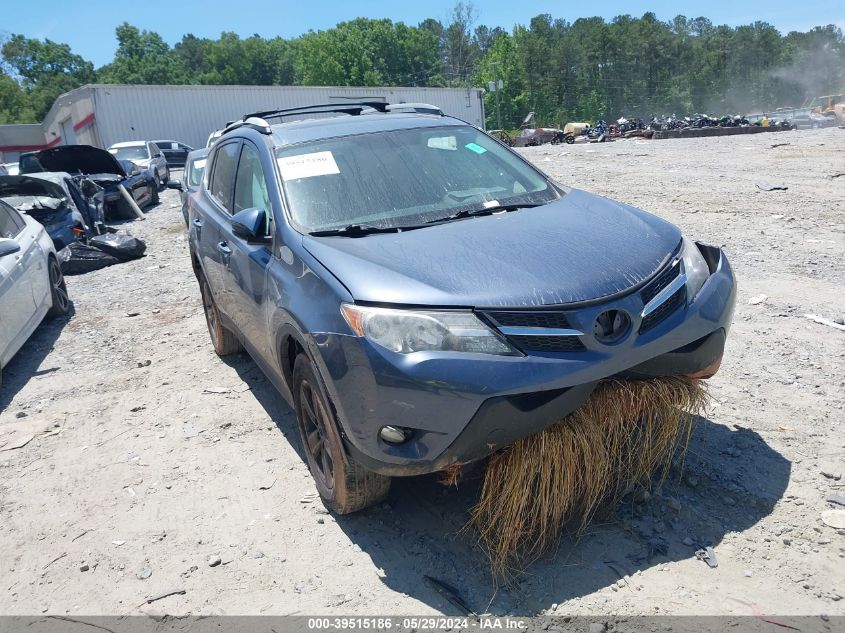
[(394, 434)]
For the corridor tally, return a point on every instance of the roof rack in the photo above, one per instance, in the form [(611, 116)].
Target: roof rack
[(422, 108), (353, 109), (256, 123)]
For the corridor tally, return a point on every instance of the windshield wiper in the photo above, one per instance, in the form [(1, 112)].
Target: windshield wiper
[(356, 230), (470, 213)]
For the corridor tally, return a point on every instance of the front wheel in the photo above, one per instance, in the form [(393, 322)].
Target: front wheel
[(344, 485), (58, 290)]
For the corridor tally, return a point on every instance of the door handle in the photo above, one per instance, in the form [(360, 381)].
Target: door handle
[(224, 248), (197, 222)]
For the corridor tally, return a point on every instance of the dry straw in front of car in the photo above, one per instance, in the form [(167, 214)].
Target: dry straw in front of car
[(625, 433)]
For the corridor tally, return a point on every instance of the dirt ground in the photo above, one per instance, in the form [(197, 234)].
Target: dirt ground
[(154, 465)]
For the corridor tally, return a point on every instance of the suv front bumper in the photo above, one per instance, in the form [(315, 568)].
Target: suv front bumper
[(462, 407)]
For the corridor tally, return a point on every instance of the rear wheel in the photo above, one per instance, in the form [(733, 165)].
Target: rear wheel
[(58, 289), (223, 340), (344, 485)]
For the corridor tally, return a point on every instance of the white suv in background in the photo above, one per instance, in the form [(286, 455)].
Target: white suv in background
[(146, 155)]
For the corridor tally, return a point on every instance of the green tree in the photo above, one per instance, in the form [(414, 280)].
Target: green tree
[(143, 57), (45, 69)]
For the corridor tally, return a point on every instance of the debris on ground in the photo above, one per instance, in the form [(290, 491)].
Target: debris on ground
[(174, 592), (143, 573), (121, 246), (449, 592), (757, 299), (834, 519), (100, 252), (837, 499), (770, 187), (823, 321), (708, 555), (626, 433)]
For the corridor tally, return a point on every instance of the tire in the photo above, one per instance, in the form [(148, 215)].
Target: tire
[(58, 289), (344, 485), (224, 341), (166, 176), (154, 198)]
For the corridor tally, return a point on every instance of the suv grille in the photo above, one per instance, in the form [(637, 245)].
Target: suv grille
[(548, 343), (663, 279), (665, 309), (537, 341), (533, 318)]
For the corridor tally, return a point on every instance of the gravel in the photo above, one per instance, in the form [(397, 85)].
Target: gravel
[(180, 476)]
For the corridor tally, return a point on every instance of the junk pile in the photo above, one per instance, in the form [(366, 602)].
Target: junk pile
[(627, 432), (99, 252)]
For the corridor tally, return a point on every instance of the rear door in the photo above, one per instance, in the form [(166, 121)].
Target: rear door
[(211, 228)]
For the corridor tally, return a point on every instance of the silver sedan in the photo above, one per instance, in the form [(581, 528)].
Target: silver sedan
[(31, 281)]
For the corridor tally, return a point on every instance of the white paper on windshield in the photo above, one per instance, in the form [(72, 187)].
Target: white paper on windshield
[(200, 163), (308, 165)]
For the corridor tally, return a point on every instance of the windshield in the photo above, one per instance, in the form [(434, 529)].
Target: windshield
[(404, 178), (195, 172), (134, 152)]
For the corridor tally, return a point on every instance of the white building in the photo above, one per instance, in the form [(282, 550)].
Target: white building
[(103, 114)]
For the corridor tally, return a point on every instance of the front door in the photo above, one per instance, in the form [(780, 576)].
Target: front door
[(249, 262)]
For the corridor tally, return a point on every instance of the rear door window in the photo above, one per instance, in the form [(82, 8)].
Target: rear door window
[(11, 223), (222, 183)]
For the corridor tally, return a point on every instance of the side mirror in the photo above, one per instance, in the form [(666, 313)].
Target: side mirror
[(249, 225), (8, 247), (158, 155), (175, 184)]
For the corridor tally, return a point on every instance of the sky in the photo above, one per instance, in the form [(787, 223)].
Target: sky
[(88, 27)]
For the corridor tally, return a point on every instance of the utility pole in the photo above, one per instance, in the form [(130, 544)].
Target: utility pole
[(495, 86)]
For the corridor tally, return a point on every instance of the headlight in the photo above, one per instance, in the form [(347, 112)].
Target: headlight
[(695, 268), (407, 331)]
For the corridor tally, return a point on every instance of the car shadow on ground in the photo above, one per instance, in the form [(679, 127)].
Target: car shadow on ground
[(729, 480), (26, 364)]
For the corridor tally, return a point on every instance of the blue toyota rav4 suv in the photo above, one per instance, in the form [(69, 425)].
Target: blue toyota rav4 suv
[(422, 296)]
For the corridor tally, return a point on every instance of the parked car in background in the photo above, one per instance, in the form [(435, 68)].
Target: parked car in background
[(212, 138), (191, 179), (174, 152), (57, 202), (146, 155), (423, 296), (31, 281), (12, 169), (103, 169), (812, 120)]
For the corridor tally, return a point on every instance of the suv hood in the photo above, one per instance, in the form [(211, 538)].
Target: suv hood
[(73, 159), (580, 247)]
